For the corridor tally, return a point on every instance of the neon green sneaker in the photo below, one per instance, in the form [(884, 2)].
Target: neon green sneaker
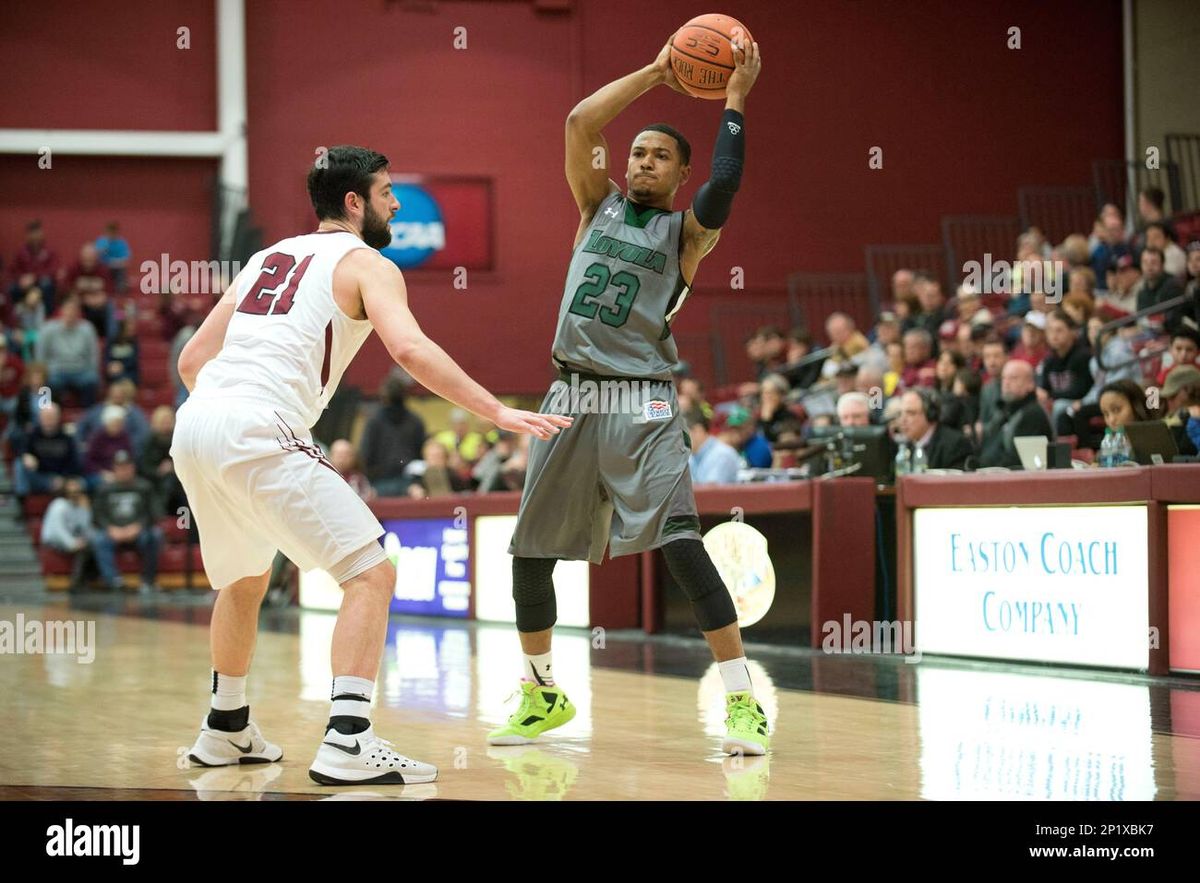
[(541, 709), (745, 725)]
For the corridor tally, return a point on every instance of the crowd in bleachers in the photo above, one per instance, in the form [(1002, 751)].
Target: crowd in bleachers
[(88, 388), (960, 378)]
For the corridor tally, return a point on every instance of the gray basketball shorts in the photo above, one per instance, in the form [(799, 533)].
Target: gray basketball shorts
[(617, 477)]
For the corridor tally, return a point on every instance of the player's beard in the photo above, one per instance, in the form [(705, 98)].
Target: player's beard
[(376, 232)]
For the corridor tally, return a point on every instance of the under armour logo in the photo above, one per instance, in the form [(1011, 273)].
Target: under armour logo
[(734, 128), (611, 211)]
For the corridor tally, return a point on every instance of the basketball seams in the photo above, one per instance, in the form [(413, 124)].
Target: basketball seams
[(705, 60)]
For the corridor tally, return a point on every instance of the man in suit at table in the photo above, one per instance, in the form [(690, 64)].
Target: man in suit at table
[(944, 447)]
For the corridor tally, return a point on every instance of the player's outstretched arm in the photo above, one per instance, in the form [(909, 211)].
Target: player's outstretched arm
[(714, 200), (209, 337), (385, 300), (587, 151)]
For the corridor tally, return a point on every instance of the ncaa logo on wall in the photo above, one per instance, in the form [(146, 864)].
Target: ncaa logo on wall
[(418, 231)]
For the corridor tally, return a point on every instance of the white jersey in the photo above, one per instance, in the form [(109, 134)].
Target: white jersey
[(288, 342)]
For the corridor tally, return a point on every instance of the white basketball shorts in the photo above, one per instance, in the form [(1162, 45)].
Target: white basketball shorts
[(256, 483)]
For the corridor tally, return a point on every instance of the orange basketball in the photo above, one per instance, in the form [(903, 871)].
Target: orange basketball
[(702, 54)]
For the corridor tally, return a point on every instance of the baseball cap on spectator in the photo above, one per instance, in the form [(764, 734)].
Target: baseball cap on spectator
[(1194, 245), (738, 416), (1036, 319), (983, 317), (1123, 262), (887, 317), (1178, 378), (948, 329)]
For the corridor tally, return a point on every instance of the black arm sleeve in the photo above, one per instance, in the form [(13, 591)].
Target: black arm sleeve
[(715, 198)]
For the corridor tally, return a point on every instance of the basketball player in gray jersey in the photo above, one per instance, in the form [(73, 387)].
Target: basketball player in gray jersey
[(618, 477)]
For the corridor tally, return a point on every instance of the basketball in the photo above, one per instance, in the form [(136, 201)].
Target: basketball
[(702, 54)]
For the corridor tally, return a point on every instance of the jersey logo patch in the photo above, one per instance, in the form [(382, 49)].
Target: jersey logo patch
[(656, 410), (612, 212), (734, 128)]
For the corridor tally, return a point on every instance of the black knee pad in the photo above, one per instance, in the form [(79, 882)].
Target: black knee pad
[(693, 569), (533, 592)]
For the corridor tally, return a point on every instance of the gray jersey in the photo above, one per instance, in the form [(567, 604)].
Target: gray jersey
[(623, 288)]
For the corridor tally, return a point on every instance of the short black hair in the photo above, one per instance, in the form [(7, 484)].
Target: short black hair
[(695, 417), (1188, 334), (1066, 318), (342, 169), (685, 149), (1155, 196), (1166, 231)]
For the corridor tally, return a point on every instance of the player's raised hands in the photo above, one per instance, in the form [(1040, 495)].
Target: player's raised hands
[(747, 64), (541, 425), (662, 67)]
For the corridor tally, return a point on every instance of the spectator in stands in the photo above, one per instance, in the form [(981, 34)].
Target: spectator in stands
[(12, 375), (994, 358), (765, 348), (1174, 258), (155, 464), (36, 265), (690, 394), (1123, 402), (345, 460), (460, 437), (799, 347), (870, 382), (1074, 250), (179, 311), (66, 529), (1156, 286), (965, 393), (33, 394), (489, 473), (1193, 268), (124, 395), (114, 254), (919, 366), (71, 352), (121, 353), (932, 303), (1117, 354), (1151, 208), (887, 330), (741, 433), (854, 409), (1185, 348), (847, 341), (895, 371), (89, 279), (1180, 393), (953, 409), (126, 513), (1032, 346), (46, 456), (902, 286), (1123, 279), (104, 445), (944, 447), (1065, 375), (1082, 281), (1110, 243), (1188, 314), (391, 440), (1080, 308), (29, 316), (437, 479), (712, 461), (773, 409), (1019, 414)]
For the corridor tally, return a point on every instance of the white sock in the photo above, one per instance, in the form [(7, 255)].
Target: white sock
[(228, 693), (539, 669), (351, 697), (736, 675)]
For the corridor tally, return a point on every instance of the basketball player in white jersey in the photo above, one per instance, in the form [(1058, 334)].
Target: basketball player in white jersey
[(260, 369)]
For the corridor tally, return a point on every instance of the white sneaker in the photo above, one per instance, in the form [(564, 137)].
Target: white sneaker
[(364, 758), (222, 748)]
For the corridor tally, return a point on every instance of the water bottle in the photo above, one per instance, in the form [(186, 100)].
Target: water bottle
[(902, 462), (1122, 448), (919, 463), (1105, 459)]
